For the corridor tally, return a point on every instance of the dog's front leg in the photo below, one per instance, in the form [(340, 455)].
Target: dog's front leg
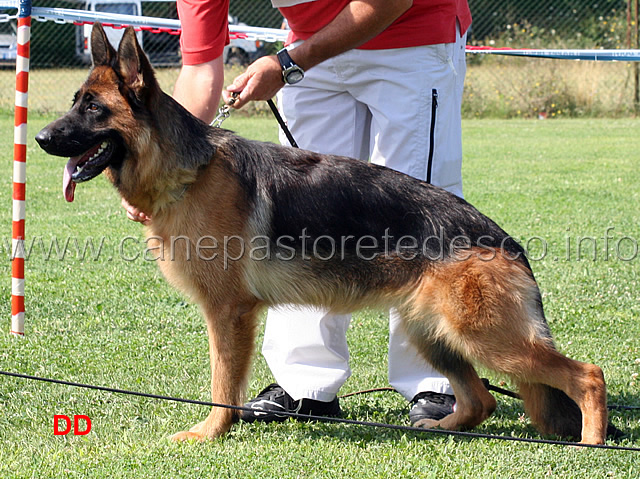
[(231, 330)]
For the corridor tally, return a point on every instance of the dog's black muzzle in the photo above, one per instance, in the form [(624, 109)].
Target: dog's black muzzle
[(63, 137), (89, 152)]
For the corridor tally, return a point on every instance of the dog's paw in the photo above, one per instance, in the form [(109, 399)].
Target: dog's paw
[(184, 436), (198, 428), (427, 424), (595, 439)]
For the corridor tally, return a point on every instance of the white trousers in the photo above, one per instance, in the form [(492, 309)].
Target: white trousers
[(397, 108)]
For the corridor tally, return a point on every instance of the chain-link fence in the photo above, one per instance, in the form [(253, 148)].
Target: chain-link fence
[(496, 86)]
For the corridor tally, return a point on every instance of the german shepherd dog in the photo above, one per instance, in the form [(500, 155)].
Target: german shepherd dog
[(325, 231)]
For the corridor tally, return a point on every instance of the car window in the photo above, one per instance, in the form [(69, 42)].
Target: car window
[(121, 8)]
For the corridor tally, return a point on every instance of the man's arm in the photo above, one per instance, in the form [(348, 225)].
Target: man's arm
[(198, 88), (357, 23)]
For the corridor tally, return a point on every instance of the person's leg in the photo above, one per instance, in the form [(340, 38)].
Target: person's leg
[(408, 372), (324, 118), (416, 119), (306, 348), (415, 129)]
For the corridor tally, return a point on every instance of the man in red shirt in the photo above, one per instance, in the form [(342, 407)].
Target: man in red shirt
[(379, 80)]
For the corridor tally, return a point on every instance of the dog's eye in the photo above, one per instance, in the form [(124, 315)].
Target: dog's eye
[(93, 107)]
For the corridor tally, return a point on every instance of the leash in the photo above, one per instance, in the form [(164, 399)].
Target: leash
[(490, 387), (225, 111), (324, 418), (282, 123)]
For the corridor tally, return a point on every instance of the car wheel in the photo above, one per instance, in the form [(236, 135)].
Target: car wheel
[(238, 57)]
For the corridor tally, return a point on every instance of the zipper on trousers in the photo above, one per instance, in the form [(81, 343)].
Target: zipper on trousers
[(432, 132)]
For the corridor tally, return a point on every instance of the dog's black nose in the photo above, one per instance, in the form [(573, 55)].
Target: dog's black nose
[(44, 138)]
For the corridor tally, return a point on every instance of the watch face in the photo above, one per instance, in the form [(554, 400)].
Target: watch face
[(294, 76)]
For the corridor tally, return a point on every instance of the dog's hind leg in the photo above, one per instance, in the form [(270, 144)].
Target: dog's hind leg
[(231, 330), (565, 397), (474, 403), (487, 308), (562, 396)]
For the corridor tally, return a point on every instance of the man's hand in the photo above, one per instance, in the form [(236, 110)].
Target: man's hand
[(134, 214), (261, 81)]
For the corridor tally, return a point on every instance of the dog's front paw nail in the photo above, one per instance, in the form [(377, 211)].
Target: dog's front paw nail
[(183, 436), (427, 423)]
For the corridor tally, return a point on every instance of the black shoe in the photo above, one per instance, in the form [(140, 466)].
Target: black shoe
[(430, 405), (274, 400)]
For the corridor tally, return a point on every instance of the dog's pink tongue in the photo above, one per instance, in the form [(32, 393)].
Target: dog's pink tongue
[(68, 186)]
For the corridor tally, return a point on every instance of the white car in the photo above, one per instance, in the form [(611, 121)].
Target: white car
[(8, 48), (8, 37), (83, 33)]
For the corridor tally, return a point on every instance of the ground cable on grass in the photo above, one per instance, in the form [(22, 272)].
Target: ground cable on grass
[(473, 435)]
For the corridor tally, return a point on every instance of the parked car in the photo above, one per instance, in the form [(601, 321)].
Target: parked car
[(83, 33), (242, 51), (238, 52), (8, 48), (8, 37)]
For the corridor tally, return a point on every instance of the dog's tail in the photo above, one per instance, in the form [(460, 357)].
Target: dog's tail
[(551, 410)]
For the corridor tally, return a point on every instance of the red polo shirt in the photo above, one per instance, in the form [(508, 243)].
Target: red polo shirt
[(427, 22), (206, 32)]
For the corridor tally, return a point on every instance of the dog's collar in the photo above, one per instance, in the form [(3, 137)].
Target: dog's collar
[(178, 196)]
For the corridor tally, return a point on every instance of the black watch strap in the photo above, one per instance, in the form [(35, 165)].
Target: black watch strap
[(291, 73), (285, 59)]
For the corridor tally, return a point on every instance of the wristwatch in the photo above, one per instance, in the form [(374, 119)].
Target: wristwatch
[(291, 73)]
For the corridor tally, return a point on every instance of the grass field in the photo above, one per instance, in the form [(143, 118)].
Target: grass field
[(106, 317)]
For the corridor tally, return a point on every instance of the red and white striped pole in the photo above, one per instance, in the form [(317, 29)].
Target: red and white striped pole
[(19, 168)]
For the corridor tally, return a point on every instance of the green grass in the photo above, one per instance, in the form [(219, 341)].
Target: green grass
[(115, 322)]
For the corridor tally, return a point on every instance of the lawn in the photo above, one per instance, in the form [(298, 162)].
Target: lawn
[(100, 313)]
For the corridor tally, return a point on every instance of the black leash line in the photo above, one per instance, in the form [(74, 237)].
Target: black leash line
[(282, 124), (225, 111), (490, 387), (395, 427)]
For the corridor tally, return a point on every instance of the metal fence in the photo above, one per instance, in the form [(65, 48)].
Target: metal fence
[(498, 87)]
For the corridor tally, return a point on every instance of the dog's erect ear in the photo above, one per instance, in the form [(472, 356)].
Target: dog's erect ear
[(102, 52), (133, 65)]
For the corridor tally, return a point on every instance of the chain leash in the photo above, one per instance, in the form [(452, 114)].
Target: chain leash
[(224, 111)]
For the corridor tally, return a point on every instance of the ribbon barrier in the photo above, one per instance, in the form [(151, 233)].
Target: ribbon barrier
[(152, 24), (588, 54), (172, 27)]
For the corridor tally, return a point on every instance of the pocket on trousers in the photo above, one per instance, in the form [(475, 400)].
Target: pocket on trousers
[(432, 132)]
